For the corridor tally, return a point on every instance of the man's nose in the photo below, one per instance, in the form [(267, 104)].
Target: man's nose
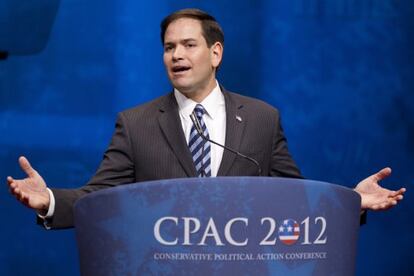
[(178, 53)]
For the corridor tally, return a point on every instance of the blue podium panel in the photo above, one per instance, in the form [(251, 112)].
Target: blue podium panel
[(219, 226)]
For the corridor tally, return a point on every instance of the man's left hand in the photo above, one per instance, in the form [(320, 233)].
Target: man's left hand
[(373, 196)]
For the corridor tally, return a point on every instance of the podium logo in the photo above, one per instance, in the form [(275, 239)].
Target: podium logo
[(236, 229), (289, 231)]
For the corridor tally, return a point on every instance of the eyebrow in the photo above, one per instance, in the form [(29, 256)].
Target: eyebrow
[(181, 41), (189, 40)]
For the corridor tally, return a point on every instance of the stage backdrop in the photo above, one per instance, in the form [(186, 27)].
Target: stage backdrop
[(341, 73)]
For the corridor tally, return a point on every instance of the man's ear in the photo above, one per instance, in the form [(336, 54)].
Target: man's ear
[(216, 54)]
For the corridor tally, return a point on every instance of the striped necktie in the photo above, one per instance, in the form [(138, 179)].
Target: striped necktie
[(200, 148)]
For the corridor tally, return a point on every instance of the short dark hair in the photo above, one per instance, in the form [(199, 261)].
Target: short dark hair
[(211, 29)]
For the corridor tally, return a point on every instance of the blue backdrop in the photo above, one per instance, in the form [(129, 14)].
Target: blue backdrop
[(341, 73)]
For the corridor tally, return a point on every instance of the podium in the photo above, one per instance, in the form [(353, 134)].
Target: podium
[(219, 226)]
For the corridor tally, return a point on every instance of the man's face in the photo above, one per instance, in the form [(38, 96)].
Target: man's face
[(189, 62)]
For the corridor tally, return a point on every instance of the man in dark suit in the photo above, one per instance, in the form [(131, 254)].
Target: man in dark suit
[(158, 140)]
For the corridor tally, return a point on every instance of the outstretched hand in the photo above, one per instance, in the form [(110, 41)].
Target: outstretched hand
[(373, 196), (31, 191)]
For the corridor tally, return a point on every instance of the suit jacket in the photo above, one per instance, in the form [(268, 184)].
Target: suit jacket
[(149, 144)]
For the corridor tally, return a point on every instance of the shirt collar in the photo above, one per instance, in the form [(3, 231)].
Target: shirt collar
[(211, 103)]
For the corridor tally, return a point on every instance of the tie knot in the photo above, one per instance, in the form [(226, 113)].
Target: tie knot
[(199, 110)]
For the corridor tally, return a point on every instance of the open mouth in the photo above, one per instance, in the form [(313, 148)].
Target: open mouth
[(180, 69)]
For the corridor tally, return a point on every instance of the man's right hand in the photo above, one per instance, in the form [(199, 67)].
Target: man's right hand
[(31, 191)]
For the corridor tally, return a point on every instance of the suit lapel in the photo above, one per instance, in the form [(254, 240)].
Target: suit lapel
[(236, 120), (170, 124)]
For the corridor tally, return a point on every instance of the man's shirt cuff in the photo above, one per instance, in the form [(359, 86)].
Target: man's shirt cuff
[(51, 209)]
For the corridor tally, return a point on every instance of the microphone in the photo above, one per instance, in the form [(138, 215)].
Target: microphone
[(199, 129)]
